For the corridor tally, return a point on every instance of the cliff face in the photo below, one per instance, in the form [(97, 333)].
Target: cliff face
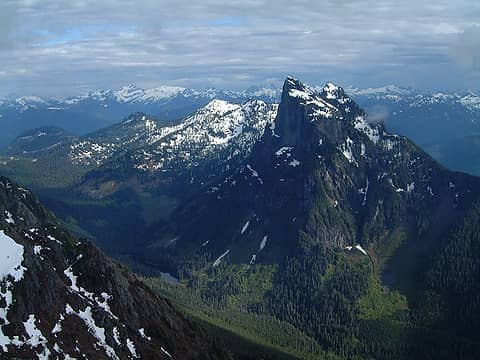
[(62, 298), (322, 173), (346, 215)]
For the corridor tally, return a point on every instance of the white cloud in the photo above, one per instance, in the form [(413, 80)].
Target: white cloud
[(91, 44)]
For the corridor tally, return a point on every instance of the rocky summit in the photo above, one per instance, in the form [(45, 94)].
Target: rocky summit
[(353, 222), (306, 226)]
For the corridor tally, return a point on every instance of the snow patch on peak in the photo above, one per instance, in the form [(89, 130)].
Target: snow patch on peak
[(346, 149), (299, 94), (221, 106), (35, 335), (330, 90), (97, 332), (162, 92), (388, 89), (359, 248), (471, 101), (255, 174), (11, 258), (310, 97), (166, 352), (292, 81), (263, 243), (245, 227), (284, 150), (131, 347), (9, 218), (294, 163), (410, 187), (362, 125)]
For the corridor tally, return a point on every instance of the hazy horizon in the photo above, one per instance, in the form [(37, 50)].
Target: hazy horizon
[(55, 48), (277, 85)]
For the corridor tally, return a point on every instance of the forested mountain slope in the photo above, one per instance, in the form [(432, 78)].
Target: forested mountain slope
[(339, 228)]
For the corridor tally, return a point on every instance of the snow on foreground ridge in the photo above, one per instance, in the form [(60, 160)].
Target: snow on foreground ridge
[(11, 257)]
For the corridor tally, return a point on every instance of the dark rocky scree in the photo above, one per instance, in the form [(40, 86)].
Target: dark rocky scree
[(81, 303)]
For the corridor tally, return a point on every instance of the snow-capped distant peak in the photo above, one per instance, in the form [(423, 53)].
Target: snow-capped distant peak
[(29, 102), (133, 94), (162, 92), (383, 90), (127, 93), (129, 87), (221, 106), (29, 99), (471, 101)]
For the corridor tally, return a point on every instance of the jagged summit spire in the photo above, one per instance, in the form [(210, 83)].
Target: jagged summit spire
[(300, 105), (327, 112), (292, 83), (293, 86), (331, 93)]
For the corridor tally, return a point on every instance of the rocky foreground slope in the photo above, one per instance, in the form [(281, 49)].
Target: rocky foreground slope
[(60, 298)]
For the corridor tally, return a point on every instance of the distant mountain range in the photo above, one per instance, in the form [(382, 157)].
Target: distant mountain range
[(134, 160), (445, 124), (306, 218), (98, 109)]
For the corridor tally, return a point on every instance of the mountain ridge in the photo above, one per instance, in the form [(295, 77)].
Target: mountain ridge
[(61, 297), (325, 221), (453, 114), (331, 204)]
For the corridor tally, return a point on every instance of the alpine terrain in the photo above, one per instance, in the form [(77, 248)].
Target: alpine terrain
[(305, 228), (445, 124), (354, 236), (60, 298), (137, 170), (100, 108)]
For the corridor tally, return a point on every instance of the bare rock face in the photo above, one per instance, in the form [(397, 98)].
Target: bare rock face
[(61, 298)]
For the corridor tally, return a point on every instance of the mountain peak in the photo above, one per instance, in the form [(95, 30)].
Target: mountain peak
[(220, 106), (336, 93), (300, 106), (381, 91), (308, 117), (293, 83), (329, 97)]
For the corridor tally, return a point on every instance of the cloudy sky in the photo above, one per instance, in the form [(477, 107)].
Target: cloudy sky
[(60, 48)]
